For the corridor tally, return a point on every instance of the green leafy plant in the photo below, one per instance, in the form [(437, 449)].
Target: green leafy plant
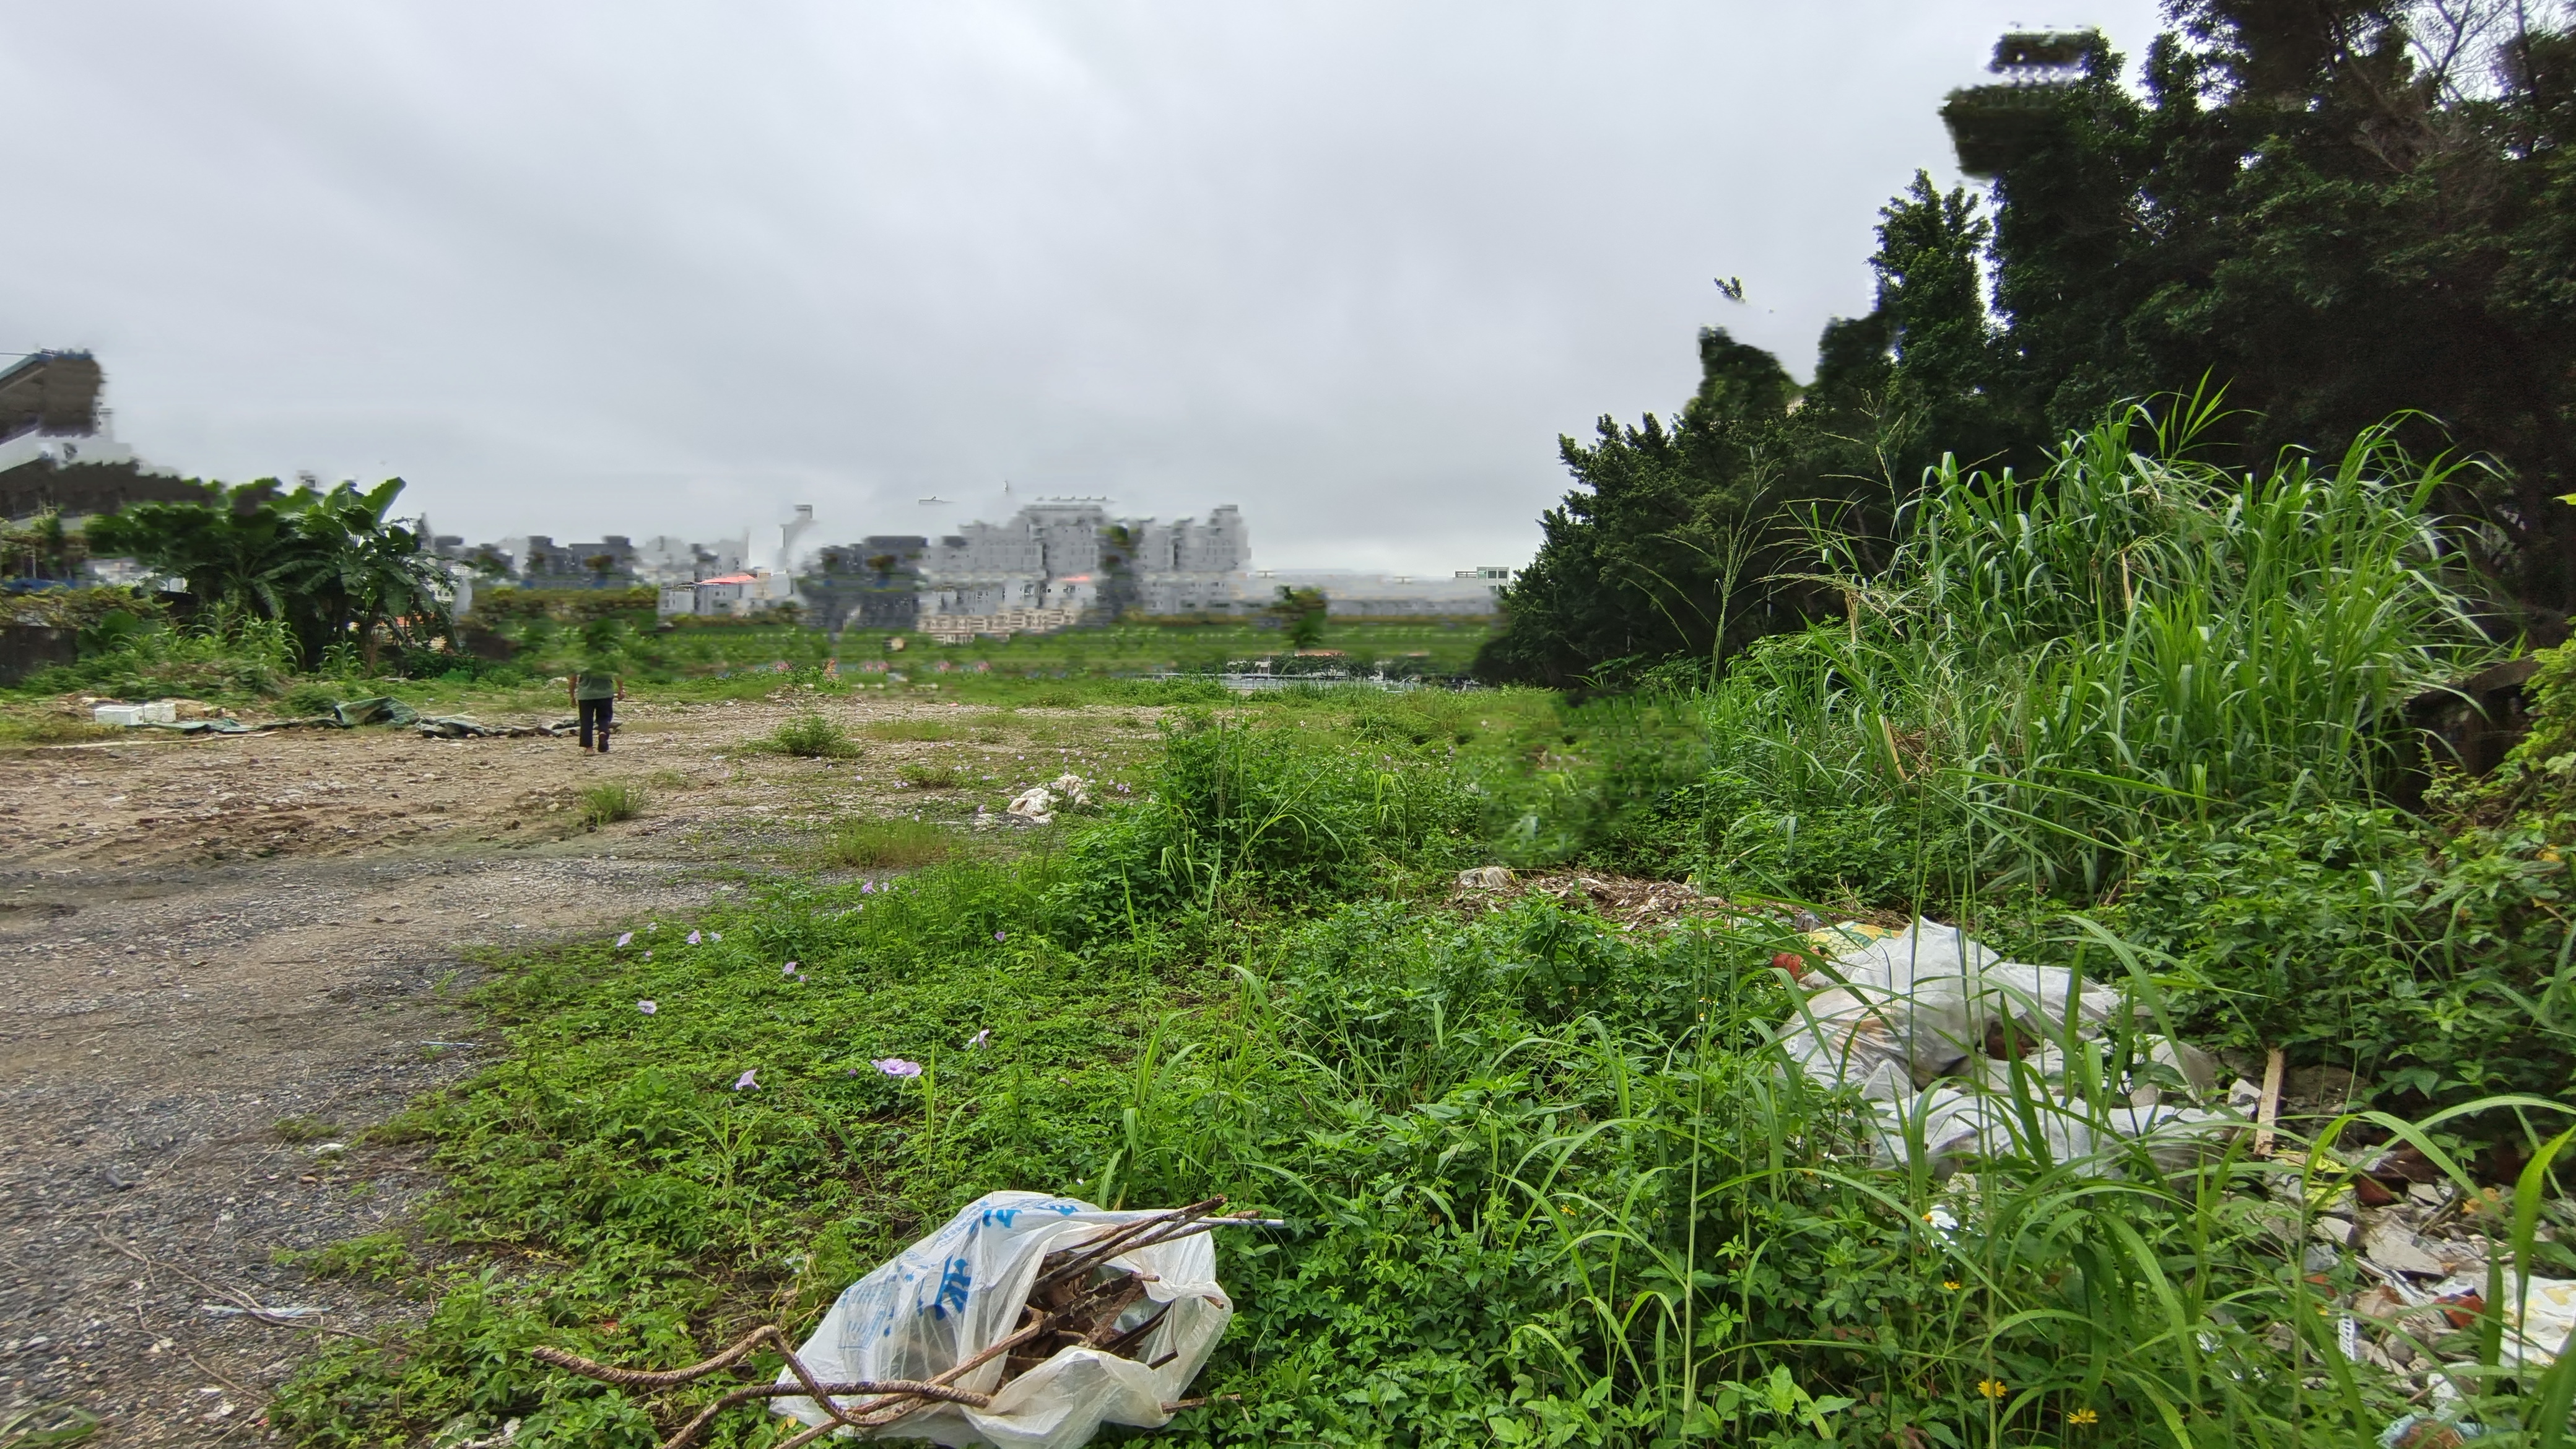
[(811, 736), (610, 802)]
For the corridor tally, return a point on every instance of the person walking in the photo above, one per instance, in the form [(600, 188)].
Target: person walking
[(595, 692)]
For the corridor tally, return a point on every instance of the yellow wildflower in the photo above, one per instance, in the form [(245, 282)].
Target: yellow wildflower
[(1992, 1388), (2082, 1418), (1949, 1285)]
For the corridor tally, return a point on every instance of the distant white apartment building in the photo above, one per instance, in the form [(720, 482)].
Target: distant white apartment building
[(1057, 559)]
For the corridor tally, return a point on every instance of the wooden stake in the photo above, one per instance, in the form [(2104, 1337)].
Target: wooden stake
[(2269, 1111)]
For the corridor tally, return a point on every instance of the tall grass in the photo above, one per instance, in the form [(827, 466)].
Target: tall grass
[(2053, 670)]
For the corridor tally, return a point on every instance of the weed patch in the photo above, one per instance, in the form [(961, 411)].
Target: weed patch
[(610, 802), (895, 844), (922, 775), (810, 736)]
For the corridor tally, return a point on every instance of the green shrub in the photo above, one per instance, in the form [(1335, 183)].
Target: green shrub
[(608, 803), (1236, 814), (811, 736), (927, 775)]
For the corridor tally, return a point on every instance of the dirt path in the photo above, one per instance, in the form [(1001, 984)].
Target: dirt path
[(202, 940)]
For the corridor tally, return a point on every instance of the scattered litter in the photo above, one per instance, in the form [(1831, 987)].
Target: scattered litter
[(160, 711), (1626, 901), (2389, 1245), (2429, 1431), (1033, 806), (465, 727), (979, 1038), (1933, 1029)]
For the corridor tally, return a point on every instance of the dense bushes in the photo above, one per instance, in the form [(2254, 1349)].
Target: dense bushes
[(1237, 817)]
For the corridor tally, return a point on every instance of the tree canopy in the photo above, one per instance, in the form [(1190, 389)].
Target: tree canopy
[(2336, 213), (327, 562)]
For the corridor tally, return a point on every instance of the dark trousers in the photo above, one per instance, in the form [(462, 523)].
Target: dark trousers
[(598, 711)]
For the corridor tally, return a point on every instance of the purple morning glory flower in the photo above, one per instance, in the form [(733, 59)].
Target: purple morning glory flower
[(648, 955), (715, 935), (999, 936), (896, 1066), (867, 888), (981, 1037), (744, 1083), (693, 938), (787, 970), (646, 1006), (626, 938)]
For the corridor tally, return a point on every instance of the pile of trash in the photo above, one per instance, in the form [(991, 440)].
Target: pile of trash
[(1037, 804), (1027, 1320), (184, 716), (1961, 1054), (1626, 901)]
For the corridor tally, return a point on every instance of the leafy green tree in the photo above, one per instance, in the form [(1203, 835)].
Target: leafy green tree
[(1684, 541), (330, 564), (1301, 613), (2340, 210)]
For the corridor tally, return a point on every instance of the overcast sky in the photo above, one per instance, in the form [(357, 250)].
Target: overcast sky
[(647, 268)]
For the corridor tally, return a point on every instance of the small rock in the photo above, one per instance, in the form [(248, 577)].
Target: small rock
[(2338, 1231)]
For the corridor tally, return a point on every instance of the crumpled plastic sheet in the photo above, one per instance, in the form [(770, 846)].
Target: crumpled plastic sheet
[(1905, 1017)]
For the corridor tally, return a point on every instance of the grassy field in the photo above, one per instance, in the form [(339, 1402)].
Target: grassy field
[(1545, 1176)]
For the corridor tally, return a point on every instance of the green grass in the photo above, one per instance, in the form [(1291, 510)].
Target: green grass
[(52, 727), (923, 775), (895, 844), (919, 730), (608, 803), (1545, 1178)]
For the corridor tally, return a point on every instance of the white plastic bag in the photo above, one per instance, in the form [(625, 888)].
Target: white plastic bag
[(957, 1292), (1904, 1016)]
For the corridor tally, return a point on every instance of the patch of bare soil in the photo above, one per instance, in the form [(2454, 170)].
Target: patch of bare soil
[(204, 939)]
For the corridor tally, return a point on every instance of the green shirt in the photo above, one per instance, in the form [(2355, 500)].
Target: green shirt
[(594, 686)]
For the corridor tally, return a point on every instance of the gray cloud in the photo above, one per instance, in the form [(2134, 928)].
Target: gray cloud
[(657, 268)]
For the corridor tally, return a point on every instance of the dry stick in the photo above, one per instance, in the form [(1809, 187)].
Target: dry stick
[(643, 1379), (689, 1431), (251, 1307), (2269, 1110), (891, 1409), (1122, 1342), (648, 1379), (1098, 1250)]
